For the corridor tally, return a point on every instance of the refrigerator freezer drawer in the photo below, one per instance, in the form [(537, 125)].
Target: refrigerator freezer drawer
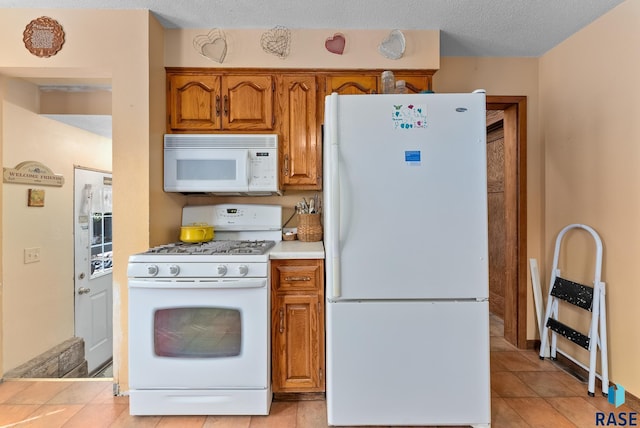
[(408, 363)]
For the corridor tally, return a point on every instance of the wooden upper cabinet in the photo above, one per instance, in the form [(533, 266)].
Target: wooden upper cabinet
[(288, 102), (300, 144), (351, 84), (209, 102), (247, 102), (192, 102), (415, 83)]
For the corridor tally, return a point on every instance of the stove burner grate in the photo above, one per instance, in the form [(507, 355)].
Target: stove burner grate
[(215, 247)]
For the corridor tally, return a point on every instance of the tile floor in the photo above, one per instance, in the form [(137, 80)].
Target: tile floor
[(526, 392)]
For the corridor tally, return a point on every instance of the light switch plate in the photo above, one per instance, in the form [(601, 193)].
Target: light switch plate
[(31, 255)]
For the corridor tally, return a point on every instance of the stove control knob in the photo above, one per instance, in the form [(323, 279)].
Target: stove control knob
[(222, 270), (152, 270), (243, 270), (174, 270)]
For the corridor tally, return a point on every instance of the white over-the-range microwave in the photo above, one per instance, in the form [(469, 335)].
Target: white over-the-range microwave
[(243, 164)]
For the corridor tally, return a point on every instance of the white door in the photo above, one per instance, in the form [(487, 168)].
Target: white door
[(411, 202), (408, 363), (93, 264)]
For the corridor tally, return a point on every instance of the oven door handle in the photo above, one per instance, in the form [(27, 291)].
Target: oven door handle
[(196, 283)]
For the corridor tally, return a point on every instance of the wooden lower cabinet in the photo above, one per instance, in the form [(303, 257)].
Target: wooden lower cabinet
[(297, 326)]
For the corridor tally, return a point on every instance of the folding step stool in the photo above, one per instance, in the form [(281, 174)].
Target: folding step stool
[(588, 298)]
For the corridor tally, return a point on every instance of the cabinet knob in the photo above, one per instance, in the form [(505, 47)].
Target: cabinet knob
[(286, 165), (217, 105), (226, 105)]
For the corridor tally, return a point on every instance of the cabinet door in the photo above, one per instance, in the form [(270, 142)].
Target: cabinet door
[(297, 330), (415, 83), (353, 85), (300, 142), (193, 102), (247, 102)]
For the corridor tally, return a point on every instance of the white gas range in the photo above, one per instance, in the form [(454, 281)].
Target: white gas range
[(199, 328)]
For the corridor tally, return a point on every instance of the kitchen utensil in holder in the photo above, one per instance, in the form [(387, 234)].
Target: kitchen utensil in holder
[(309, 227)]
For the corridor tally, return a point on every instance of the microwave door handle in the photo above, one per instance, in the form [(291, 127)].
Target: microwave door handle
[(248, 168)]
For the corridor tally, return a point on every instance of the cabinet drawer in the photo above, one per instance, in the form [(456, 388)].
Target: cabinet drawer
[(296, 274)]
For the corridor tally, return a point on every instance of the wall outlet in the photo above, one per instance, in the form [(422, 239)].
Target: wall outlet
[(31, 255)]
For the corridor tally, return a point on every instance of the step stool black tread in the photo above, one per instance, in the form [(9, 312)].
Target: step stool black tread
[(572, 292)]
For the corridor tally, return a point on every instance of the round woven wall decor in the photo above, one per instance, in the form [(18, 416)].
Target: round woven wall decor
[(43, 37)]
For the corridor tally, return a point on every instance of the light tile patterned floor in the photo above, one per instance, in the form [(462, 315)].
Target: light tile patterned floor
[(526, 392)]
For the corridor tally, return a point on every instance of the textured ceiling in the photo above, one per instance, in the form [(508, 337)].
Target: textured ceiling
[(467, 27), (515, 28)]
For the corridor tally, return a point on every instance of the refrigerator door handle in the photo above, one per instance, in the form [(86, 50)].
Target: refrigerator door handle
[(335, 192)]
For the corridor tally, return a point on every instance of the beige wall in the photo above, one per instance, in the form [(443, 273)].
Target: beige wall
[(590, 97), (76, 102), (307, 50), (115, 45), (516, 77), (38, 311), (3, 94)]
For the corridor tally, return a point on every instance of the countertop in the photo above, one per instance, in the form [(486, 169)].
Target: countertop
[(297, 250)]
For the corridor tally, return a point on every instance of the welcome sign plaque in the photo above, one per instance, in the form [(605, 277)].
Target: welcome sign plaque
[(32, 172)]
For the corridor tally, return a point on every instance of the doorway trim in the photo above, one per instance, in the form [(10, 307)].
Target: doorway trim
[(515, 148)]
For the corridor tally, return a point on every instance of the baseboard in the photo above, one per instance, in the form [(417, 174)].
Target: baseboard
[(581, 374), (533, 344), (298, 396)]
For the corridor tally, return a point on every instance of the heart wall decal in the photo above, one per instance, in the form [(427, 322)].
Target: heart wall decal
[(276, 41), (393, 45), (212, 45), (336, 43)]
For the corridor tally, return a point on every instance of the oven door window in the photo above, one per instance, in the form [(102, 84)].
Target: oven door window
[(200, 332)]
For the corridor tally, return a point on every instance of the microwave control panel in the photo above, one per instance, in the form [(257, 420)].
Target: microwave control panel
[(264, 169)]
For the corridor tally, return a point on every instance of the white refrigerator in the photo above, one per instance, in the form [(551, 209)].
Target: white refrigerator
[(405, 218)]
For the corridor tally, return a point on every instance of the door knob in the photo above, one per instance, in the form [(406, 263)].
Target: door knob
[(84, 290)]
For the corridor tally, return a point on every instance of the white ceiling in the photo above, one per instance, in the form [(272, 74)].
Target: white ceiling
[(517, 28)]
